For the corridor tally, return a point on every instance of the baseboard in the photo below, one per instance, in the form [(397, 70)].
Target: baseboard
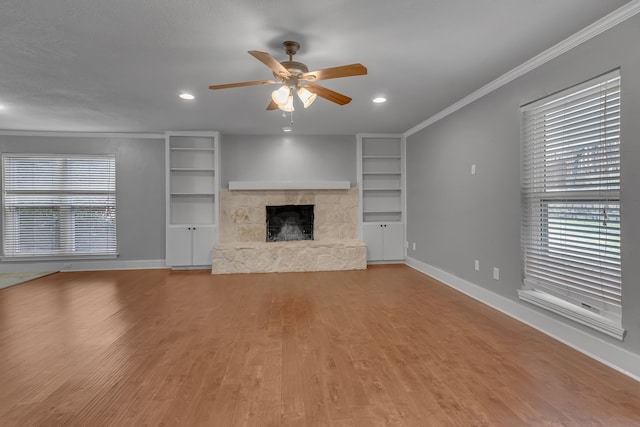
[(385, 262), (611, 355), (80, 265)]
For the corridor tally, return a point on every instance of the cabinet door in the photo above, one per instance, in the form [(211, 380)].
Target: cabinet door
[(372, 236), (393, 241), (203, 239), (178, 246)]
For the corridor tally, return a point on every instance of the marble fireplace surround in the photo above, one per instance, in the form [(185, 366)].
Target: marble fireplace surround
[(242, 233)]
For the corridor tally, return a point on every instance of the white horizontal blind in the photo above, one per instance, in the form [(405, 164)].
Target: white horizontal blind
[(571, 195), (59, 205)]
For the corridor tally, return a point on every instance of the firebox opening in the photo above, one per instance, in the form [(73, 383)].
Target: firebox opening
[(289, 222)]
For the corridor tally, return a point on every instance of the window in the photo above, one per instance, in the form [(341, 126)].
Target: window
[(58, 205), (571, 204)]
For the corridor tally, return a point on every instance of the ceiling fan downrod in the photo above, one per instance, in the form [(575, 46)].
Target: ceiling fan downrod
[(291, 48)]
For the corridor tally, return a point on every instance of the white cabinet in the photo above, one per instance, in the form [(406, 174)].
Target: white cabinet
[(190, 245), (192, 191), (381, 191), (384, 241)]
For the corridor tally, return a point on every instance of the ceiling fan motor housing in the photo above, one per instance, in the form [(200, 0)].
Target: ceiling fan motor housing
[(297, 69)]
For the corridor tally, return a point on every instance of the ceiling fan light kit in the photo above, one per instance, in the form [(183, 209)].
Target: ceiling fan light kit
[(281, 96), (287, 106), (296, 77), (306, 97)]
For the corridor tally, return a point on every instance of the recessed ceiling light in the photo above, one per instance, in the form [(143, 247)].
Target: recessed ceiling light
[(379, 100), (185, 95), (286, 129)]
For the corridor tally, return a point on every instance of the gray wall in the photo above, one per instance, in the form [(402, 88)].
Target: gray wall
[(287, 158), (140, 182), (455, 217)]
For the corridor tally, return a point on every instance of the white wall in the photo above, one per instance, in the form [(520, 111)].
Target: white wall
[(455, 217)]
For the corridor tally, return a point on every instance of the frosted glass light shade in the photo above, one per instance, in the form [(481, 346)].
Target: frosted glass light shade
[(306, 97), (288, 106), (281, 96)]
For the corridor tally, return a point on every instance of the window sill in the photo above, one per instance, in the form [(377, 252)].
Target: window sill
[(56, 258), (581, 315)]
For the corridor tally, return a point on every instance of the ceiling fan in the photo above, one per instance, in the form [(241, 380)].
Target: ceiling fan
[(296, 77)]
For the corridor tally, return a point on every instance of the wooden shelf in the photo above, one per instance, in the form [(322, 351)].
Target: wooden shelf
[(381, 173), (382, 212), (382, 157), (191, 224), (193, 170), (191, 149)]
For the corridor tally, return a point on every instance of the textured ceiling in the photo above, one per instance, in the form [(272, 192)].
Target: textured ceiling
[(119, 65)]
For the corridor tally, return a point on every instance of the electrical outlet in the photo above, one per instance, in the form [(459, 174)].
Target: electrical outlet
[(473, 169), (476, 265), (414, 246), (496, 273)]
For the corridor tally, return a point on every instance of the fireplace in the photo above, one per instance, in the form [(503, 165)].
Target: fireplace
[(289, 222), (244, 249)]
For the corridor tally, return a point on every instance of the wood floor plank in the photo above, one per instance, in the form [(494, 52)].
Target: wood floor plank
[(385, 346)]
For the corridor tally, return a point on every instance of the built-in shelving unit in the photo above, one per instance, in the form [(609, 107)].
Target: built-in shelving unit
[(381, 191), (192, 190), (381, 177)]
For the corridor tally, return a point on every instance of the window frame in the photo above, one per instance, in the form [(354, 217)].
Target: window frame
[(67, 209), (600, 312)]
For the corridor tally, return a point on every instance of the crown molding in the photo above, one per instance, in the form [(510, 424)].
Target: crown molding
[(82, 134), (204, 133), (611, 20), (379, 135)]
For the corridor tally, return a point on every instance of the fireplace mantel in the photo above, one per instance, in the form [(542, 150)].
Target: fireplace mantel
[(289, 185)]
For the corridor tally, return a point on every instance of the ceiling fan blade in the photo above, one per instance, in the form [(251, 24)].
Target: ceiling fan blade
[(335, 72), (270, 62), (272, 105), (328, 94), (254, 83)]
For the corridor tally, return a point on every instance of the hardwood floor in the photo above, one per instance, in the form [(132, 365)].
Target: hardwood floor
[(385, 346)]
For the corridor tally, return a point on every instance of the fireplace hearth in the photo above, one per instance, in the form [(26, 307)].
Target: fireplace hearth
[(289, 222)]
